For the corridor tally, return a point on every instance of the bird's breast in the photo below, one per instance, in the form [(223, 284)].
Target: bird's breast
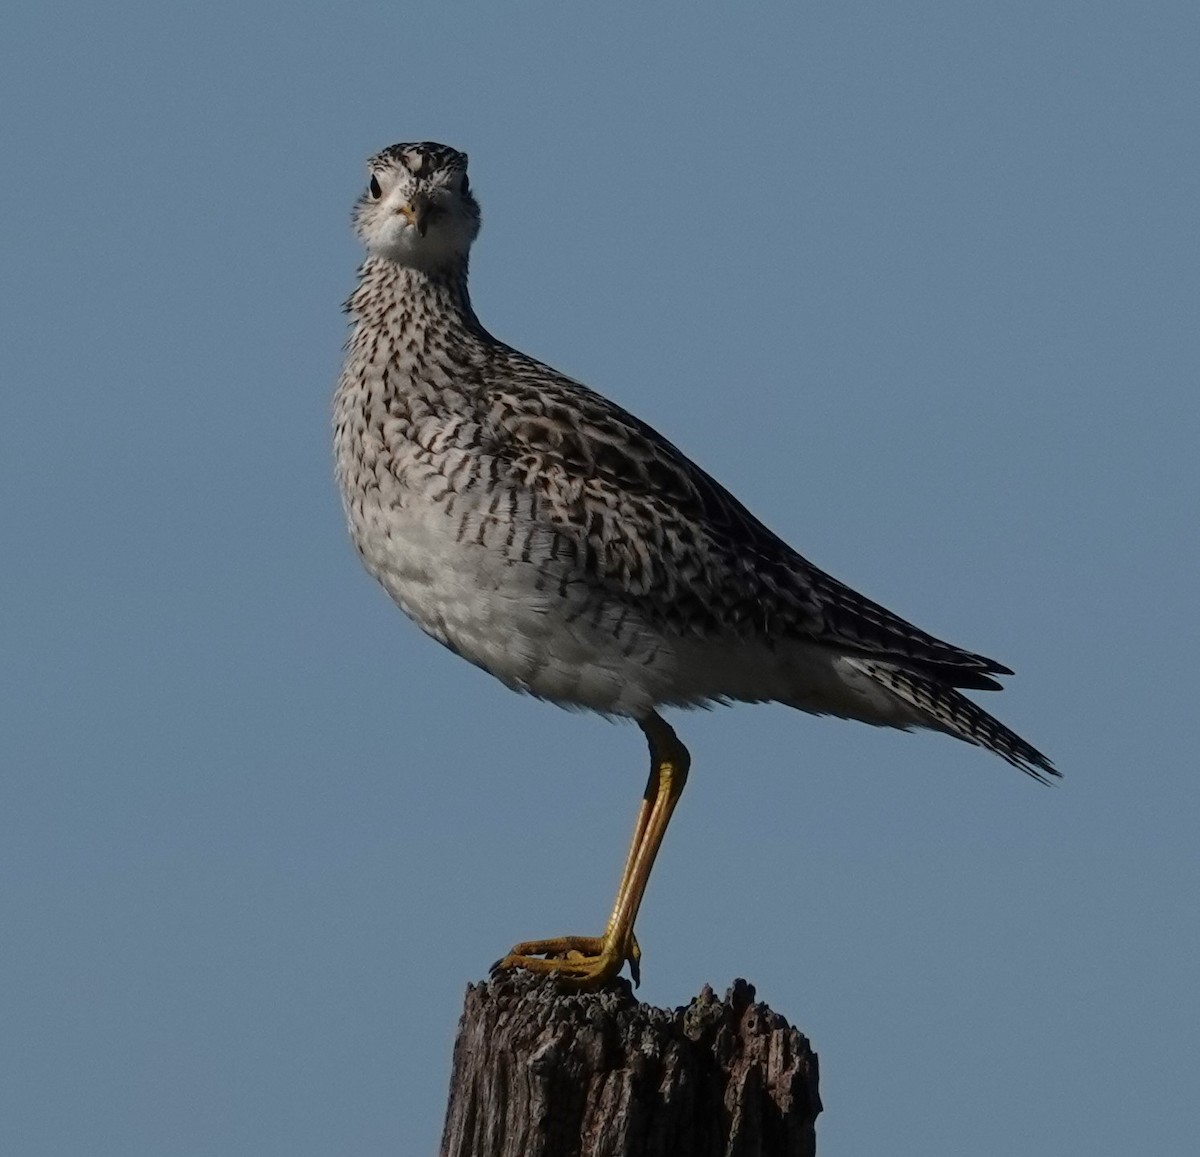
[(466, 548)]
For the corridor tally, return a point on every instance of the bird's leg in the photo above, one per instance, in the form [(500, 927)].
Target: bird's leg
[(669, 764), (577, 946), (591, 961), (564, 946)]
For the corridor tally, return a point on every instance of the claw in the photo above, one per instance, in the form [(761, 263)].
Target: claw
[(634, 955)]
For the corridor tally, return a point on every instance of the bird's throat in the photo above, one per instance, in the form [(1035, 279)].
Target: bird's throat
[(400, 296)]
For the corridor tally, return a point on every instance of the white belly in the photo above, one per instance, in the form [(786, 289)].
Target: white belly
[(512, 618)]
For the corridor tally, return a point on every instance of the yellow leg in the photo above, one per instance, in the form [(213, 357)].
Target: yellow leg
[(591, 961)]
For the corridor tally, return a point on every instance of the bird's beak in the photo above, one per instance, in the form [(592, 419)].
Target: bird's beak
[(417, 212)]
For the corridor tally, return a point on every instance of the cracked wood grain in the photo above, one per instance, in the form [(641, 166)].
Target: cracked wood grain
[(543, 1073)]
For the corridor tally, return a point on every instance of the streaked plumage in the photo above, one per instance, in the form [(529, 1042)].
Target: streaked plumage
[(546, 534)]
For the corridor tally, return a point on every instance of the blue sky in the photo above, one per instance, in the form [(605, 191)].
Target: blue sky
[(918, 281)]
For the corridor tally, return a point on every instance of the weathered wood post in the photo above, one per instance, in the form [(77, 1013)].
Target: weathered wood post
[(542, 1073)]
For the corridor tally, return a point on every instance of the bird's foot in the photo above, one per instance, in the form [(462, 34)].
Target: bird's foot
[(580, 962)]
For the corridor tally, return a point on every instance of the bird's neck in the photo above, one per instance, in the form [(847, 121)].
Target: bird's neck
[(400, 298)]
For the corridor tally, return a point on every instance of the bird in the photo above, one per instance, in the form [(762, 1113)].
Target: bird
[(550, 537)]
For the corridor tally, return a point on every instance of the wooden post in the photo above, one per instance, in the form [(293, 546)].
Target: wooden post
[(541, 1073)]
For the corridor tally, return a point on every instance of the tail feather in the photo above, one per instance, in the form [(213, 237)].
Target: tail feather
[(957, 715)]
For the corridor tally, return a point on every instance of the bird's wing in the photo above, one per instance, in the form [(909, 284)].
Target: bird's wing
[(646, 522)]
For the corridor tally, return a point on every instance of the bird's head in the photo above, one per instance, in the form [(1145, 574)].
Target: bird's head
[(417, 208)]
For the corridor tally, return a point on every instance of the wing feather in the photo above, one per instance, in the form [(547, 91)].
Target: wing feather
[(650, 525)]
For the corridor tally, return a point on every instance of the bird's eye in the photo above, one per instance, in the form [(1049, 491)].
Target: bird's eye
[(374, 188), (465, 187)]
